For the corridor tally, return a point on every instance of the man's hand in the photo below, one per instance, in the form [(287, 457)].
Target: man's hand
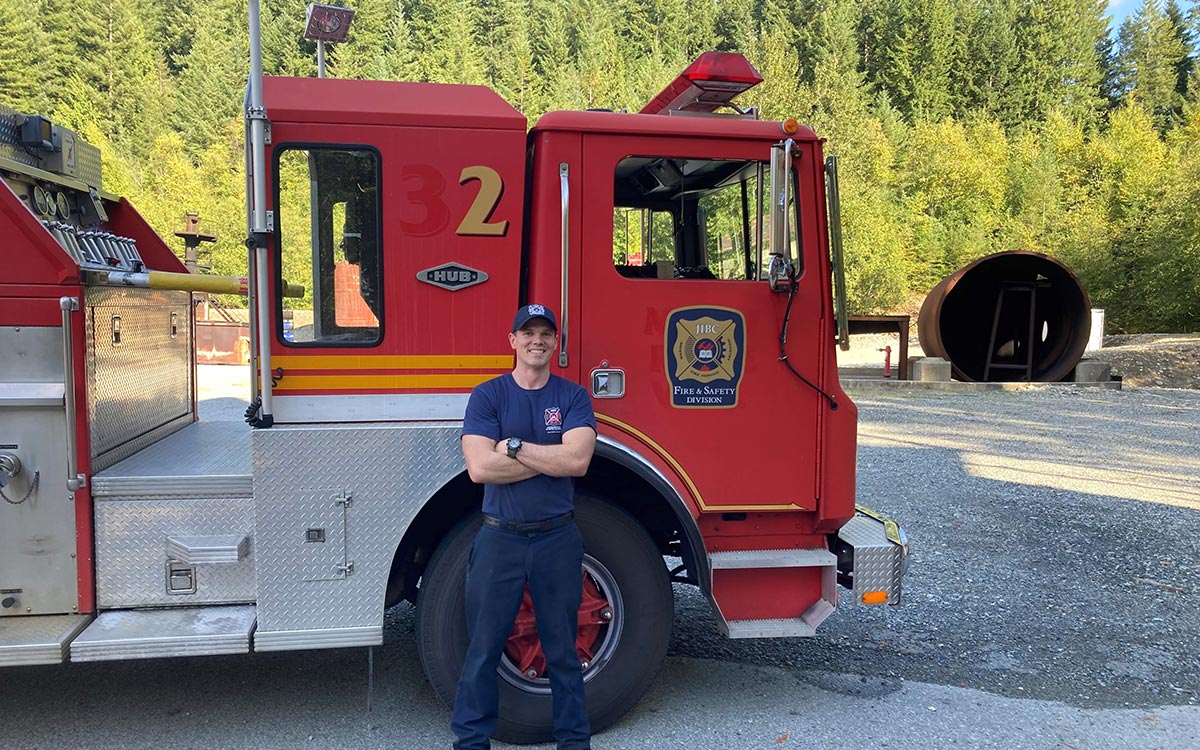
[(488, 461), (571, 459)]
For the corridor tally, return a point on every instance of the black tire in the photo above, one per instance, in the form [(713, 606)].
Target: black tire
[(645, 609)]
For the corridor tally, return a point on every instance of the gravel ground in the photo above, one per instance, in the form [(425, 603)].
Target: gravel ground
[(1052, 602), (1054, 547), (1054, 550)]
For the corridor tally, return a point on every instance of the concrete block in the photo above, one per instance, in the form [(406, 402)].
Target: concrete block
[(929, 369), (1090, 371)]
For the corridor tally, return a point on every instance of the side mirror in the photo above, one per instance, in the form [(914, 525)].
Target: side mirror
[(835, 252), (780, 270)]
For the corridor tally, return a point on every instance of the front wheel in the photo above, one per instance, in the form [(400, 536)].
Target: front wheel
[(624, 625)]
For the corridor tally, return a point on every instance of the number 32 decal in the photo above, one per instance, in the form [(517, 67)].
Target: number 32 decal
[(426, 187)]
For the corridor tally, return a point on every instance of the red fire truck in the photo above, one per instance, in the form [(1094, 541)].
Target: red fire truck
[(688, 254)]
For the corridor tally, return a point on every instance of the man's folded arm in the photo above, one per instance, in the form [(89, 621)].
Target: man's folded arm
[(488, 462), (571, 459)]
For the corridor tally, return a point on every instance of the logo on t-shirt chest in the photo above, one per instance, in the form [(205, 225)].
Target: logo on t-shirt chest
[(554, 419)]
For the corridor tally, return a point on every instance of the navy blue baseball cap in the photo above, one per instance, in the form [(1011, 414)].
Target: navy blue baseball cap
[(526, 313)]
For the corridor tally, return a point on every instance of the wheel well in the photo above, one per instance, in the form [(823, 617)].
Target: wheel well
[(607, 479)]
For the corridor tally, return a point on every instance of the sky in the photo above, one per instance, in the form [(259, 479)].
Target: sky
[(1119, 9)]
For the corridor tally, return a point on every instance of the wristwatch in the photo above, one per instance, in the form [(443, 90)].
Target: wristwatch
[(514, 445)]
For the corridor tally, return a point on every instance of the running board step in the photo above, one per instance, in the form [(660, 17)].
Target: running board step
[(37, 639), (734, 573), (153, 633), (771, 558), (790, 628)]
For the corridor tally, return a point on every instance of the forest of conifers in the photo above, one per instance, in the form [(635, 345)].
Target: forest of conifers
[(964, 127)]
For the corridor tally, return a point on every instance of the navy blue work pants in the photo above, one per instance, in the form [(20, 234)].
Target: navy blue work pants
[(501, 563)]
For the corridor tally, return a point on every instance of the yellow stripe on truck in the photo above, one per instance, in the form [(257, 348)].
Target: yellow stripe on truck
[(376, 382), (398, 362)]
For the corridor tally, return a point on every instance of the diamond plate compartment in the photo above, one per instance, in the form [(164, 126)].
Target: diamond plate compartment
[(867, 559), (143, 382), (132, 536), (10, 138), (388, 472)]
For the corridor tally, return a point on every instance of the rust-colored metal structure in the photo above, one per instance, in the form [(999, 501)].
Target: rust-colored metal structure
[(1015, 316)]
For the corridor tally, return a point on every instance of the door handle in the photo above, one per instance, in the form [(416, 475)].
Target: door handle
[(563, 174)]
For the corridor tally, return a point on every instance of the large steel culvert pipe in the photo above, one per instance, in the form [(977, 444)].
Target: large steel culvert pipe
[(1012, 316)]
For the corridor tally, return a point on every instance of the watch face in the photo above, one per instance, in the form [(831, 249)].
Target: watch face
[(514, 443)]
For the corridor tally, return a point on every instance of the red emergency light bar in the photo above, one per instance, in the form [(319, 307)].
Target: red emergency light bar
[(709, 83)]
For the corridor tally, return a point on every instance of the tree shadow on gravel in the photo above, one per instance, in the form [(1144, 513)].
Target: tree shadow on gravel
[(1015, 588)]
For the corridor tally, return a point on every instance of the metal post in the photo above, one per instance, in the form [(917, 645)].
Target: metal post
[(320, 59), (75, 480), (260, 228)]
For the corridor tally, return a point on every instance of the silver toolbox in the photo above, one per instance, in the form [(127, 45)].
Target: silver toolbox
[(139, 371)]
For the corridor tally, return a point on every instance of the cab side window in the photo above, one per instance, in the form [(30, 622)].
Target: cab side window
[(677, 218), (328, 229)]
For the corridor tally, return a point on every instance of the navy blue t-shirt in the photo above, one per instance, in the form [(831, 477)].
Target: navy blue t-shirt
[(500, 409)]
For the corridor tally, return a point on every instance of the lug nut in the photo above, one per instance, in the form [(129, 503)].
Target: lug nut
[(531, 673), (585, 664), (606, 613)]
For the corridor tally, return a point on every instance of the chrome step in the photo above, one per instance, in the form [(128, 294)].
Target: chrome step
[(771, 558), (37, 639), (153, 633), (208, 550)]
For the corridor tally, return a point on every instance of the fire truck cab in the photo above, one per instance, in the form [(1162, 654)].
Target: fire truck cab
[(687, 255)]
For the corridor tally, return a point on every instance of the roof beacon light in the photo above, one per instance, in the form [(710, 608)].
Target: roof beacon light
[(709, 83), (327, 23)]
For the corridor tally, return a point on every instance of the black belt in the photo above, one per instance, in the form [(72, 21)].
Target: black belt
[(529, 528)]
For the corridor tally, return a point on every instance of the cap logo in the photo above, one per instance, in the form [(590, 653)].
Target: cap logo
[(537, 310)]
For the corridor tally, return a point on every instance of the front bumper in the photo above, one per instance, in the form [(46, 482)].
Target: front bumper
[(872, 557)]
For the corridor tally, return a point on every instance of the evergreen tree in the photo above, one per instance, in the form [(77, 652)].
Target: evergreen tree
[(1059, 46), (733, 26), (365, 53), (403, 63), (556, 77), (22, 44), (452, 54), (1150, 54), (602, 62), (72, 71), (509, 52), (1186, 35), (991, 60), (212, 82), (285, 52)]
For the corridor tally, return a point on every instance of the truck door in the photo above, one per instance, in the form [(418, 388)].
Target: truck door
[(388, 236), (674, 313)]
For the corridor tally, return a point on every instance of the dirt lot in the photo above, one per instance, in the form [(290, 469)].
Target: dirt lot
[(1156, 360), (1162, 360)]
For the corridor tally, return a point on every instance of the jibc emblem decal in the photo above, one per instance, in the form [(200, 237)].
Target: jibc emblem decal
[(706, 350)]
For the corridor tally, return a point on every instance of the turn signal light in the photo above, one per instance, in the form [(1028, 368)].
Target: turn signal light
[(790, 126), (874, 597)]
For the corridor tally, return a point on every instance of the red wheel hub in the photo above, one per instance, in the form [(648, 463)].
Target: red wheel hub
[(525, 648)]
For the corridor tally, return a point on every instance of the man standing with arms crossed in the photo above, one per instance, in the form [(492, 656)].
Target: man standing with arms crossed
[(526, 435)]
